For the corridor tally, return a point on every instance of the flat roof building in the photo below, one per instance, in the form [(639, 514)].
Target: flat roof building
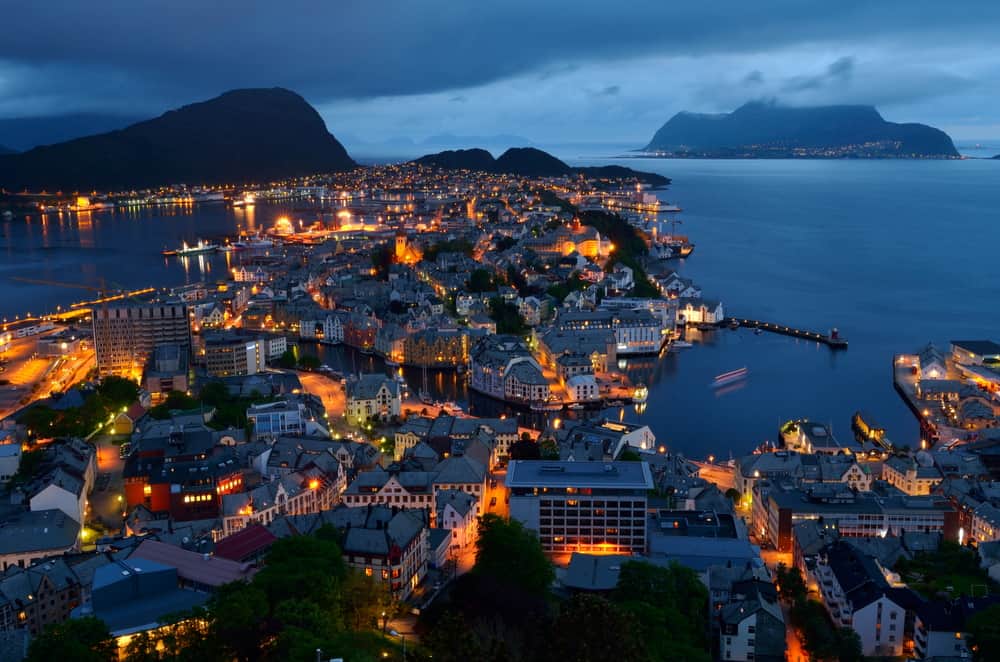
[(582, 506)]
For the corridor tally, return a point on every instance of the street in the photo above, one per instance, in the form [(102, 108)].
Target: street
[(30, 377)]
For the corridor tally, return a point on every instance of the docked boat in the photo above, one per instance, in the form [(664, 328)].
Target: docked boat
[(682, 344), (546, 406), (640, 393), (730, 377), (198, 249), (575, 406)]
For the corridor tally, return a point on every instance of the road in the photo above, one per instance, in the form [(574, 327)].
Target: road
[(106, 501), (720, 474), (32, 377)]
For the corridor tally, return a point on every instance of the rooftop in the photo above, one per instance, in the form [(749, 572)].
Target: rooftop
[(551, 473)]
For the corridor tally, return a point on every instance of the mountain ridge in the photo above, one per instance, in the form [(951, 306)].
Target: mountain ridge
[(244, 135), (529, 162), (759, 129)]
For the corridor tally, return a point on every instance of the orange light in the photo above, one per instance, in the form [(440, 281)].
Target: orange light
[(313, 484)]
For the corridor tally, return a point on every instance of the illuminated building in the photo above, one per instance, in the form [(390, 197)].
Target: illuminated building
[(126, 335), (596, 507)]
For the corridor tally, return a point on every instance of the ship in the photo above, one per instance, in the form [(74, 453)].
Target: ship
[(730, 377), (640, 393), (197, 249)]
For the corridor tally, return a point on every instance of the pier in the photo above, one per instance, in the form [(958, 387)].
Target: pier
[(832, 340)]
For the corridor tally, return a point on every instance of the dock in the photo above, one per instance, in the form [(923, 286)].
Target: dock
[(832, 340)]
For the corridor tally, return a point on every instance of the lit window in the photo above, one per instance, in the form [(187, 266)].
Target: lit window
[(368, 572)]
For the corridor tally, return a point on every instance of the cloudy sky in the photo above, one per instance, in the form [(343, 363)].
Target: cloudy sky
[(551, 71)]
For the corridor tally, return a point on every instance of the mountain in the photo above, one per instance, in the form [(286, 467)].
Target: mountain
[(6, 150), (529, 162), (759, 129), (23, 133), (240, 136)]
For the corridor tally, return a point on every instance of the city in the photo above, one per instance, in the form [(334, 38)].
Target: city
[(409, 408)]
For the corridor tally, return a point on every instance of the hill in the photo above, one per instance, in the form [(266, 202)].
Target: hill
[(760, 129), (240, 136), (23, 133), (6, 150), (530, 162)]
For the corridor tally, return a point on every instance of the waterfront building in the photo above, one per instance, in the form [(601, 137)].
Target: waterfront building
[(497, 433), (360, 331), (563, 350), (503, 367), (932, 363), (372, 396), (582, 388), (637, 331), (612, 437), (700, 311), (126, 335), (437, 348), (289, 417), (975, 352), (582, 506)]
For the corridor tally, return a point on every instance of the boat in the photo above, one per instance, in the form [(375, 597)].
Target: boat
[(730, 377), (640, 393), (546, 406), (575, 406), (425, 397), (682, 344), (198, 249)]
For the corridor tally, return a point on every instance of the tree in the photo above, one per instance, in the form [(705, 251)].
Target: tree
[(733, 494), (118, 391), (591, 629), (78, 639), (452, 640), (287, 360), (525, 450), (790, 584), (481, 280), (984, 628), (308, 362), (630, 455), (382, 257), (548, 449), (506, 550), (238, 626)]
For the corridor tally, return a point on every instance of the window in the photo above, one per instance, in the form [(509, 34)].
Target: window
[(368, 572), (751, 629)]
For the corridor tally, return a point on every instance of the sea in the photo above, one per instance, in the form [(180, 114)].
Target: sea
[(893, 254)]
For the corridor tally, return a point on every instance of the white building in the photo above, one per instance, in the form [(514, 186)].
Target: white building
[(458, 512), (284, 417), (372, 396), (699, 311), (10, 460), (582, 388)]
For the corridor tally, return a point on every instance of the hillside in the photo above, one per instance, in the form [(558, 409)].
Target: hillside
[(530, 162), (23, 133), (242, 135), (5, 150), (758, 130)]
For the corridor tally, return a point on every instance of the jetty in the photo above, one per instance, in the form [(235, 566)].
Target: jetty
[(832, 339)]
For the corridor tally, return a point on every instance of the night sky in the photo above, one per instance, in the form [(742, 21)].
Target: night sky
[(550, 71)]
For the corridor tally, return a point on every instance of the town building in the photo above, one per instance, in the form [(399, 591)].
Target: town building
[(458, 512), (582, 506), (166, 371), (227, 355), (503, 367), (126, 335), (912, 475), (39, 595), (751, 624), (27, 537), (372, 396)]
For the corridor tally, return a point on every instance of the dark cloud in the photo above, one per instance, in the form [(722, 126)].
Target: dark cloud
[(755, 77), (70, 55)]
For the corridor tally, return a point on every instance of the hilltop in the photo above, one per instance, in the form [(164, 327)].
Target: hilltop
[(758, 129), (240, 136), (530, 162)]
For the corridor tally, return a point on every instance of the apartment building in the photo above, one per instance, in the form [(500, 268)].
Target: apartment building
[(126, 335)]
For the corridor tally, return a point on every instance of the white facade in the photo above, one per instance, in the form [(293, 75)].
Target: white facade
[(582, 388), (59, 498)]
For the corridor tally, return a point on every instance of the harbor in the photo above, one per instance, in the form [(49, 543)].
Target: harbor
[(832, 339)]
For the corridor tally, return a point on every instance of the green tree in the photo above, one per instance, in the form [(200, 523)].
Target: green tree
[(481, 280), (287, 360), (506, 550), (984, 629), (548, 449), (78, 639), (238, 626), (790, 584), (591, 629), (630, 455), (453, 640), (118, 391), (309, 362)]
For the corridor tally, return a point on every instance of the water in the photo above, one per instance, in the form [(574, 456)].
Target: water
[(122, 248), (893, 253)]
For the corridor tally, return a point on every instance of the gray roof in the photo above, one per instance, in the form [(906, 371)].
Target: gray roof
[(980, 347), (38, 531), (587, 572), (460, 470), (462, 502), (607, 475), (368, 386)]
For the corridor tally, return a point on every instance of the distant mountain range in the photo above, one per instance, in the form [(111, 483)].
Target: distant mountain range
[(23, 133), (241, 136), (762, 130), (529, 162)]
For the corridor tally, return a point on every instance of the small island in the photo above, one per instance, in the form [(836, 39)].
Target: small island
[(768, 130), (531, 162)]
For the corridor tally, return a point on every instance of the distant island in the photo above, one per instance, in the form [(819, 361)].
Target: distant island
[(768, 130), (248, 135), (530, 162)]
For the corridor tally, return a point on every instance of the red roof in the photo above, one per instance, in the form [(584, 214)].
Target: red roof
[(136, 411), (244, 544)]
